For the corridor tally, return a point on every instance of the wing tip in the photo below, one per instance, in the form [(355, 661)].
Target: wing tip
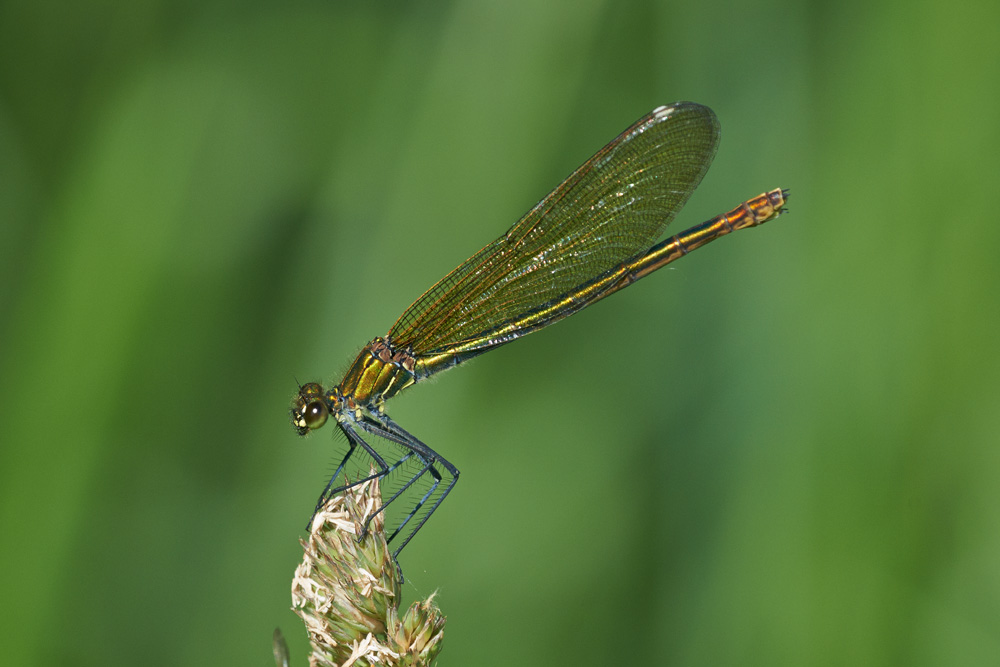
[(665, 111)]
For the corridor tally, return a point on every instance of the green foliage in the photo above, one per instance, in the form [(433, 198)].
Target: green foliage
[(780, 451)]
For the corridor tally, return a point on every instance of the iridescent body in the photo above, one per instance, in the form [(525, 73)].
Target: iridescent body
[(589, 238)]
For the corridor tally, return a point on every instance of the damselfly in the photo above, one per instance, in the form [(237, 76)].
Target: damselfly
[(590, 237)]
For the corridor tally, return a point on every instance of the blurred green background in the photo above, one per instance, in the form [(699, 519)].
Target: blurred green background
[(780, 451)]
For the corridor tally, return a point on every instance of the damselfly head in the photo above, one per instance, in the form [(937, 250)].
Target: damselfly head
[(309, 410)]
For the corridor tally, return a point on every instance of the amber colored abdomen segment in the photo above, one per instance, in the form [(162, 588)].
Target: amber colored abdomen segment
[(753, 212)]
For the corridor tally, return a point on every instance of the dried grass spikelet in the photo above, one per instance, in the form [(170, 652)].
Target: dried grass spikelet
[(348, 592)]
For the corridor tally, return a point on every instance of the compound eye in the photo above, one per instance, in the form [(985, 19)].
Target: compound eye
[(314, 414)]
